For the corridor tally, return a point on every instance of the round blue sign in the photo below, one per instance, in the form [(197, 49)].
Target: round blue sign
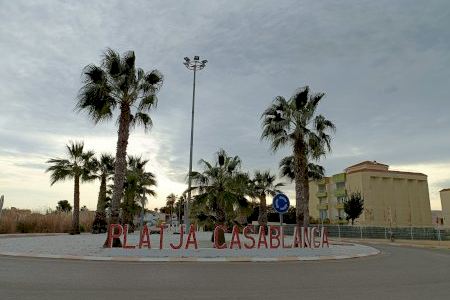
[(280, 203)]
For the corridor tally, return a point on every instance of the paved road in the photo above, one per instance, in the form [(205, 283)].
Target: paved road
[(397, 273)]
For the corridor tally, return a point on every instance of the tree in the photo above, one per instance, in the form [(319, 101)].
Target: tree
[(221, 188), (354, 206), (64, 206), (263, 184), (170, 202), (138, 186), (118, 83), (77, 166), (179, 207), (104, 169), (294, 123)]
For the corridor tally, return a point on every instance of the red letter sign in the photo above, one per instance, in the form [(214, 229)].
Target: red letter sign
[(262, 237), (216, 237), (113, 234), (247, 230), (191, 234), (144, 237), (125, 236), (274, 237), (235, 237)]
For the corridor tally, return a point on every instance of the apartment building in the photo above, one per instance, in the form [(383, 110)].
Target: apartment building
[(445, 203), (391, 198)]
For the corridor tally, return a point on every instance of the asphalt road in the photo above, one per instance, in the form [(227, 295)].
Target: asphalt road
[(397, 273)]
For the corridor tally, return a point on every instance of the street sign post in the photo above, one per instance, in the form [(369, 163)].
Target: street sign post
[(281, 205)]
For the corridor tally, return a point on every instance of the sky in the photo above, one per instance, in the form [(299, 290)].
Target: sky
[(384, 66)]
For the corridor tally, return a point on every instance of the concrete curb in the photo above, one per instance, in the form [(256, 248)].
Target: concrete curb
[(399, 244), (189, 259)]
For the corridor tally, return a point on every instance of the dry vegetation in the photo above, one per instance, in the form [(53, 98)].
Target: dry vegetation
[(25, 221)]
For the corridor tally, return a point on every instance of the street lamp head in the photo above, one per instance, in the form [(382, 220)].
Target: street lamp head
[(196, 57), (187, 59), (204, 62)]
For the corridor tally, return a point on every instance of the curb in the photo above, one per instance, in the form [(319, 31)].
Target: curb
[(400, 244), (189, 259)]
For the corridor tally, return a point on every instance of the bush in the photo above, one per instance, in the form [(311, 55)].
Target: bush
[(24, 221)]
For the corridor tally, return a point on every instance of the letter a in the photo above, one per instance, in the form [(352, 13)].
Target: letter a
[(262, 237), (324, 238), (191, 235), (235, 237), (297, 241), (144, 238)]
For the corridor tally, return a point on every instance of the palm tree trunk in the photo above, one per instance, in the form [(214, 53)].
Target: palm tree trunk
[(120, 166), (100, 225), (262, 217), (76, 206), (301, 184), (101, 202)]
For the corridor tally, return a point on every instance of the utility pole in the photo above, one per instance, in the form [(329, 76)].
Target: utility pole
[(193, 65)]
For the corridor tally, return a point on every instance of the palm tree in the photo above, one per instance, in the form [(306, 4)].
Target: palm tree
[(138, 186), (221, 188), (104, 170), (118, 83), (179, 207), (263, 184), (77, 166), (294, 122), (170, 201), (315, 172)]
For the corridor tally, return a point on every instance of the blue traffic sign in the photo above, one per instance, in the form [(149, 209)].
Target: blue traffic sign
[(280, 203)]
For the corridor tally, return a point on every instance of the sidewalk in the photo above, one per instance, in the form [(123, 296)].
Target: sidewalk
[(409, 243)]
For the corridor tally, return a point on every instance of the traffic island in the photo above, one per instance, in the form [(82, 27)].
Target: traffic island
[(175, 248)]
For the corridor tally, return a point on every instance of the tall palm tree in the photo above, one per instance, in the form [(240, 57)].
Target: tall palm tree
[(138, 186), (315, 171), (118, 83), (104, 167), (179, 207), (263, 184), (77, 166), (294, 122), (170, 202), (220, 189)]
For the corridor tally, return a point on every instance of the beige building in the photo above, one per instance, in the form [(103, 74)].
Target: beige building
[(445, 203), (390, 197)]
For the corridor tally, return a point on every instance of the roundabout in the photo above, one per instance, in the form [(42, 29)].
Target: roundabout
[(89, 247)]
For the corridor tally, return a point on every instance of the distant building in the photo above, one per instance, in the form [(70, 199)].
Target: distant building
[(445, 203), (391, 198), (436, 218)]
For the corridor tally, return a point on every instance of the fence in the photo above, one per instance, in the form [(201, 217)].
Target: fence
[(372, 232)]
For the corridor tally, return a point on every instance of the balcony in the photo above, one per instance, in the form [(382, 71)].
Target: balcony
[(322, 206), (322, 181), (339, 177), (321, 194), (340, 192), (340, 205)]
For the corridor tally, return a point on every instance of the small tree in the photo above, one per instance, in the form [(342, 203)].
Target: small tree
[(354, 206), (64, 206)]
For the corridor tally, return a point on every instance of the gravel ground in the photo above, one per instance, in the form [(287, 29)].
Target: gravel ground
[(91, 245)]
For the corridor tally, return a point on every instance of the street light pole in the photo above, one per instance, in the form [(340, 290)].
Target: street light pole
[(192, 65)]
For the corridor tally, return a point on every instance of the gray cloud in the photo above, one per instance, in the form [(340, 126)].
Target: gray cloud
[(384, 66)]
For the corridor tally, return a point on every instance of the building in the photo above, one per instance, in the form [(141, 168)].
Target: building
[(436, 218), (445, 203), (391, 198)]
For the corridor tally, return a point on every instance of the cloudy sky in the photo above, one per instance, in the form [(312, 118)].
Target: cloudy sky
[(384, 66)]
